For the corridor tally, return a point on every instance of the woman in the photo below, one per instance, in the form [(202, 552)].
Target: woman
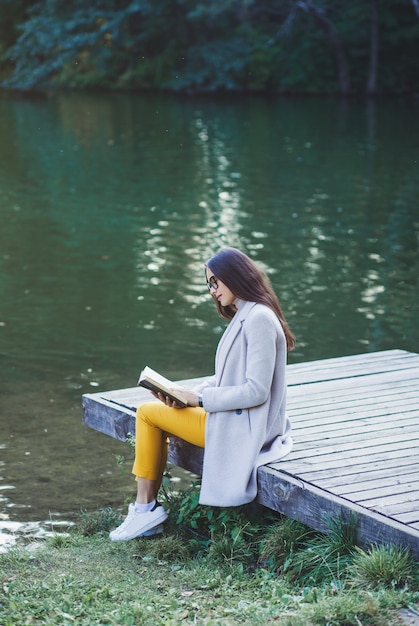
[(238, 416)]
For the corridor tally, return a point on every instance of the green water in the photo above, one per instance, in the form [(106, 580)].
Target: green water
[(110, 204)]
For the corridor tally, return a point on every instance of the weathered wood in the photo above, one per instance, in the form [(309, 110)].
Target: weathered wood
[(335, 462), (378, 468), (356, 443), (308, 504), (376, 488)]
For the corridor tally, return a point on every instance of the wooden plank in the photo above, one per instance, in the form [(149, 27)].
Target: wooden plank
[(366, 360), (405, 507), (356, 415), (384, 424), (375, 492), (339, 392), (362, 466), (335, 462), (333, 369), (336, 415), (106, 417), (326, 410), (364, 473), (367, 491), (388, 500), (403, 422), (302, 464), (309, 504), (357, 489), (363, 405), (388, 440), (373, 380), (337, 459), (380, 445), (410, 517)]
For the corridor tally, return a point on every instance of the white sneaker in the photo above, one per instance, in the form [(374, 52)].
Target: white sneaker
[(140, 524), (157, 530)]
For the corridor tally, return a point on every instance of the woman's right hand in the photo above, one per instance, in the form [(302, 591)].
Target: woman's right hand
[(166, 400)]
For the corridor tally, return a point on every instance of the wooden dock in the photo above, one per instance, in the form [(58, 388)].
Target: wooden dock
[(356, 444)]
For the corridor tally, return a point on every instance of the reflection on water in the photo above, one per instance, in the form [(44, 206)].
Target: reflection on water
[(109, 206)]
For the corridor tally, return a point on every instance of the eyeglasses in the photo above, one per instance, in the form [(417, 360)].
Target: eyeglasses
[(212, 283)]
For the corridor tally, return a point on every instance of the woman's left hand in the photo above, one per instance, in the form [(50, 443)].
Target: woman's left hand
[(190, 396)]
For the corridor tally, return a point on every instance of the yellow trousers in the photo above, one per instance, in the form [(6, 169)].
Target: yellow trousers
[(155, 422)]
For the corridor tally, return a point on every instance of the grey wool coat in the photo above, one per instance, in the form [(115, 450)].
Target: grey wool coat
[(247, 424)]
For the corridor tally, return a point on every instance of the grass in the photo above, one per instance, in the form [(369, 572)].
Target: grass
[(235, 571)]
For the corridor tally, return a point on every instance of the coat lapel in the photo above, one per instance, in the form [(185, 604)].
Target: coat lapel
[(229, 336)]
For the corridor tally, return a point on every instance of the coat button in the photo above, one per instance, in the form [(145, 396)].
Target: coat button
[(239, 412)]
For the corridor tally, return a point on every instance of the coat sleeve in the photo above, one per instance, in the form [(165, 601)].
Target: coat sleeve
[(260, 335), (209, 382)]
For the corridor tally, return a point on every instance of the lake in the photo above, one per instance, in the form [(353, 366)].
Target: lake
[(111, 203)]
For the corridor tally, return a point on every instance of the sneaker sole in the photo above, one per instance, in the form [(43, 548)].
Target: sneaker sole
[(149, 527), (157, 530)]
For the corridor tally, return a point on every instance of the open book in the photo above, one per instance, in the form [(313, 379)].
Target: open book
[(156, 382)]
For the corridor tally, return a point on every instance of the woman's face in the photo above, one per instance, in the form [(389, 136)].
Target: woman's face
[(219, 290)]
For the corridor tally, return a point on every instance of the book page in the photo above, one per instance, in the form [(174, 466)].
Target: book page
[(153, 381)]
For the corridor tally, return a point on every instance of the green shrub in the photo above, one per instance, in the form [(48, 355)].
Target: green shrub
[(282, 539), (60, 541), (101, 521), (347, 609), (165, 548), (224, 534), (325, 557), (385, 566)]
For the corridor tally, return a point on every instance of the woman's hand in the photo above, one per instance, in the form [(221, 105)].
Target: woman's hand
[(190, 397), (166, 400)]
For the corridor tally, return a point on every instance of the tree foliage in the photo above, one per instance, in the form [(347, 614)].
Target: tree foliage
[(303, 46)]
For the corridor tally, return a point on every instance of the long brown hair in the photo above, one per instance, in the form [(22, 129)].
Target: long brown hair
[(247, 282)]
